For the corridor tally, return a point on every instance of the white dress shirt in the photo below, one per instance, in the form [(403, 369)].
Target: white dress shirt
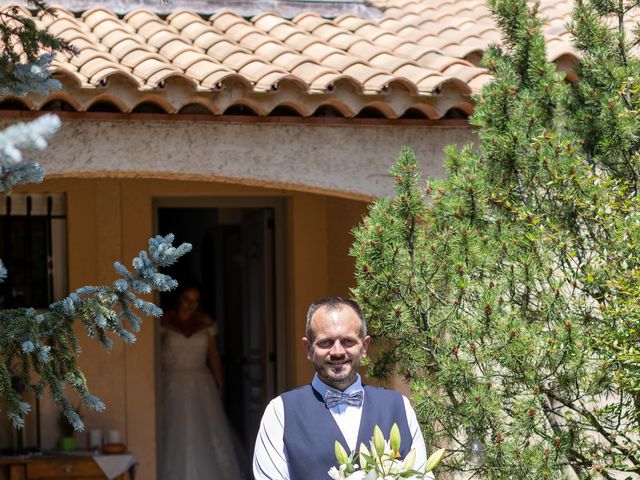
[(270, 459)]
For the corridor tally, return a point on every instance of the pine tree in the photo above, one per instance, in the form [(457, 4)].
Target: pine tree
[(506, 293)]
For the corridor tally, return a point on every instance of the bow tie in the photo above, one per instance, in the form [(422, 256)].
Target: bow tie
[(333, 398)]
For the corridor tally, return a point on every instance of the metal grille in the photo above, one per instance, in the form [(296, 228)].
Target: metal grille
[(33, 249)]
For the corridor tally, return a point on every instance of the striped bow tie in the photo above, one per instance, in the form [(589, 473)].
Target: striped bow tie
[(333, 398)]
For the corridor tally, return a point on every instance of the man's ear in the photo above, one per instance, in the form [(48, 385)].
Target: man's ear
[(307, 346), (365, 344)]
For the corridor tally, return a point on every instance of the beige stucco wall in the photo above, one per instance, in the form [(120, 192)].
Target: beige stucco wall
[(111, 219), (350, 160)]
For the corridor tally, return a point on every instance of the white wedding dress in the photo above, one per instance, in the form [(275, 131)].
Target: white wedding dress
[(197, 443)]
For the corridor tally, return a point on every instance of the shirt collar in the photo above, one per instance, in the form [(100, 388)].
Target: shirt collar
[(321, 387)]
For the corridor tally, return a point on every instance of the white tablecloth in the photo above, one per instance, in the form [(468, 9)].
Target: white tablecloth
[(114, 465)]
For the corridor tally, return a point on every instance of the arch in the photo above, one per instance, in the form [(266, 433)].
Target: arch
[(59, 103), (104, 106), (107, 103), (425, 109), (330, 110), (452, 83), (111, 76), (196, 108), (344, 82), (149, 106), (287, 110), (371, 111), (290, 82), (401, 83), (14, 103), (456, 113), (413, 113), (240, 108)]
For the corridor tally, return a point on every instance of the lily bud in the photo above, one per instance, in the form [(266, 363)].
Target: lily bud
[(409, 460), (378, 441), (394, 438), (434, 460), (341, 453)]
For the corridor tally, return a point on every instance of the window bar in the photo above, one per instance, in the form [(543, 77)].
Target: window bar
[(6, 285), (28, 258), (49, 240)]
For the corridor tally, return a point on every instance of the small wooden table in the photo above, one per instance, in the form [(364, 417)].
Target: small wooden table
[(54, 467)]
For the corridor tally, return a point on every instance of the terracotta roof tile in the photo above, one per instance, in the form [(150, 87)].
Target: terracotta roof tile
[(93, 66), (127, 45), (421, 44), (150, 29), (289, 60), (239, 59), (222, 50), (175, 47), (149, 66), (340, 61), (365, 49), (389, 62), (268, 21), (320, 51), (271, 50), (255, 40), (60, 25), (256, 69), (206, 39), (203, 69), (225, 19), (310, 71), (182, 18), (362, 72), (189, 57), (197, 29)]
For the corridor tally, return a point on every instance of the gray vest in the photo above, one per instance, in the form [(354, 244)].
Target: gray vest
[(310, 430)]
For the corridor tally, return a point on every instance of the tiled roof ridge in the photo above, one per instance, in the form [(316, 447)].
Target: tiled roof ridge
[(421, 54)]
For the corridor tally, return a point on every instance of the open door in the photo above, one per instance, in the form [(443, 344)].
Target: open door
[(258, 356), (234, 259)]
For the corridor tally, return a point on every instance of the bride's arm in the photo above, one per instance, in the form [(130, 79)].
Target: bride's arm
[(215, 363)]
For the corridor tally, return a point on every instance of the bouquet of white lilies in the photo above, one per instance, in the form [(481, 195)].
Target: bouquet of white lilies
[(381, 461)]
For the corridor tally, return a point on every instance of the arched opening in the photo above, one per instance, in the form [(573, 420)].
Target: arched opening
[(327, 111), (240, 109)]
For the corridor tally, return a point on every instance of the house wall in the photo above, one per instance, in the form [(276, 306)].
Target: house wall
[(111, 218), (340, 159), (325, 172)]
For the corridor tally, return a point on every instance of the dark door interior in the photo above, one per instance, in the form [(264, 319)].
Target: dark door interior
[(233, 262)]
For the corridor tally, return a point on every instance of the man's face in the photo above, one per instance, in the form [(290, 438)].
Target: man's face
[(337, 348)]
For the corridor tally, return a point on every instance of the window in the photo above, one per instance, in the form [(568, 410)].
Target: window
[(33, 248)]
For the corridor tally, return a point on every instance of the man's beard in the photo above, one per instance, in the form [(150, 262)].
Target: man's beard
[(344, 378)]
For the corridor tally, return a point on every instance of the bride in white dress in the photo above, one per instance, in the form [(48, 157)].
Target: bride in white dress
[(197, 443)]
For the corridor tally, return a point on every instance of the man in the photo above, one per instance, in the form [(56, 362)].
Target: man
[(299, 428)]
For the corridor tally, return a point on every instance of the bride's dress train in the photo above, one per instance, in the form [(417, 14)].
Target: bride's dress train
[(197, 443)]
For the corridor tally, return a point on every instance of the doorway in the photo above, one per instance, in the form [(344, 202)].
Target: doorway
[(237, 260)]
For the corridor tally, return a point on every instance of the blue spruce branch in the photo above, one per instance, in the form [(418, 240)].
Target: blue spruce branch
[(44, 342)]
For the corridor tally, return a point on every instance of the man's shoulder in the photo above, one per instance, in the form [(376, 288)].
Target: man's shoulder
[(296, 392)]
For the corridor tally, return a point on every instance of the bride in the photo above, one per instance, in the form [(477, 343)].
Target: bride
[(197, 442)]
